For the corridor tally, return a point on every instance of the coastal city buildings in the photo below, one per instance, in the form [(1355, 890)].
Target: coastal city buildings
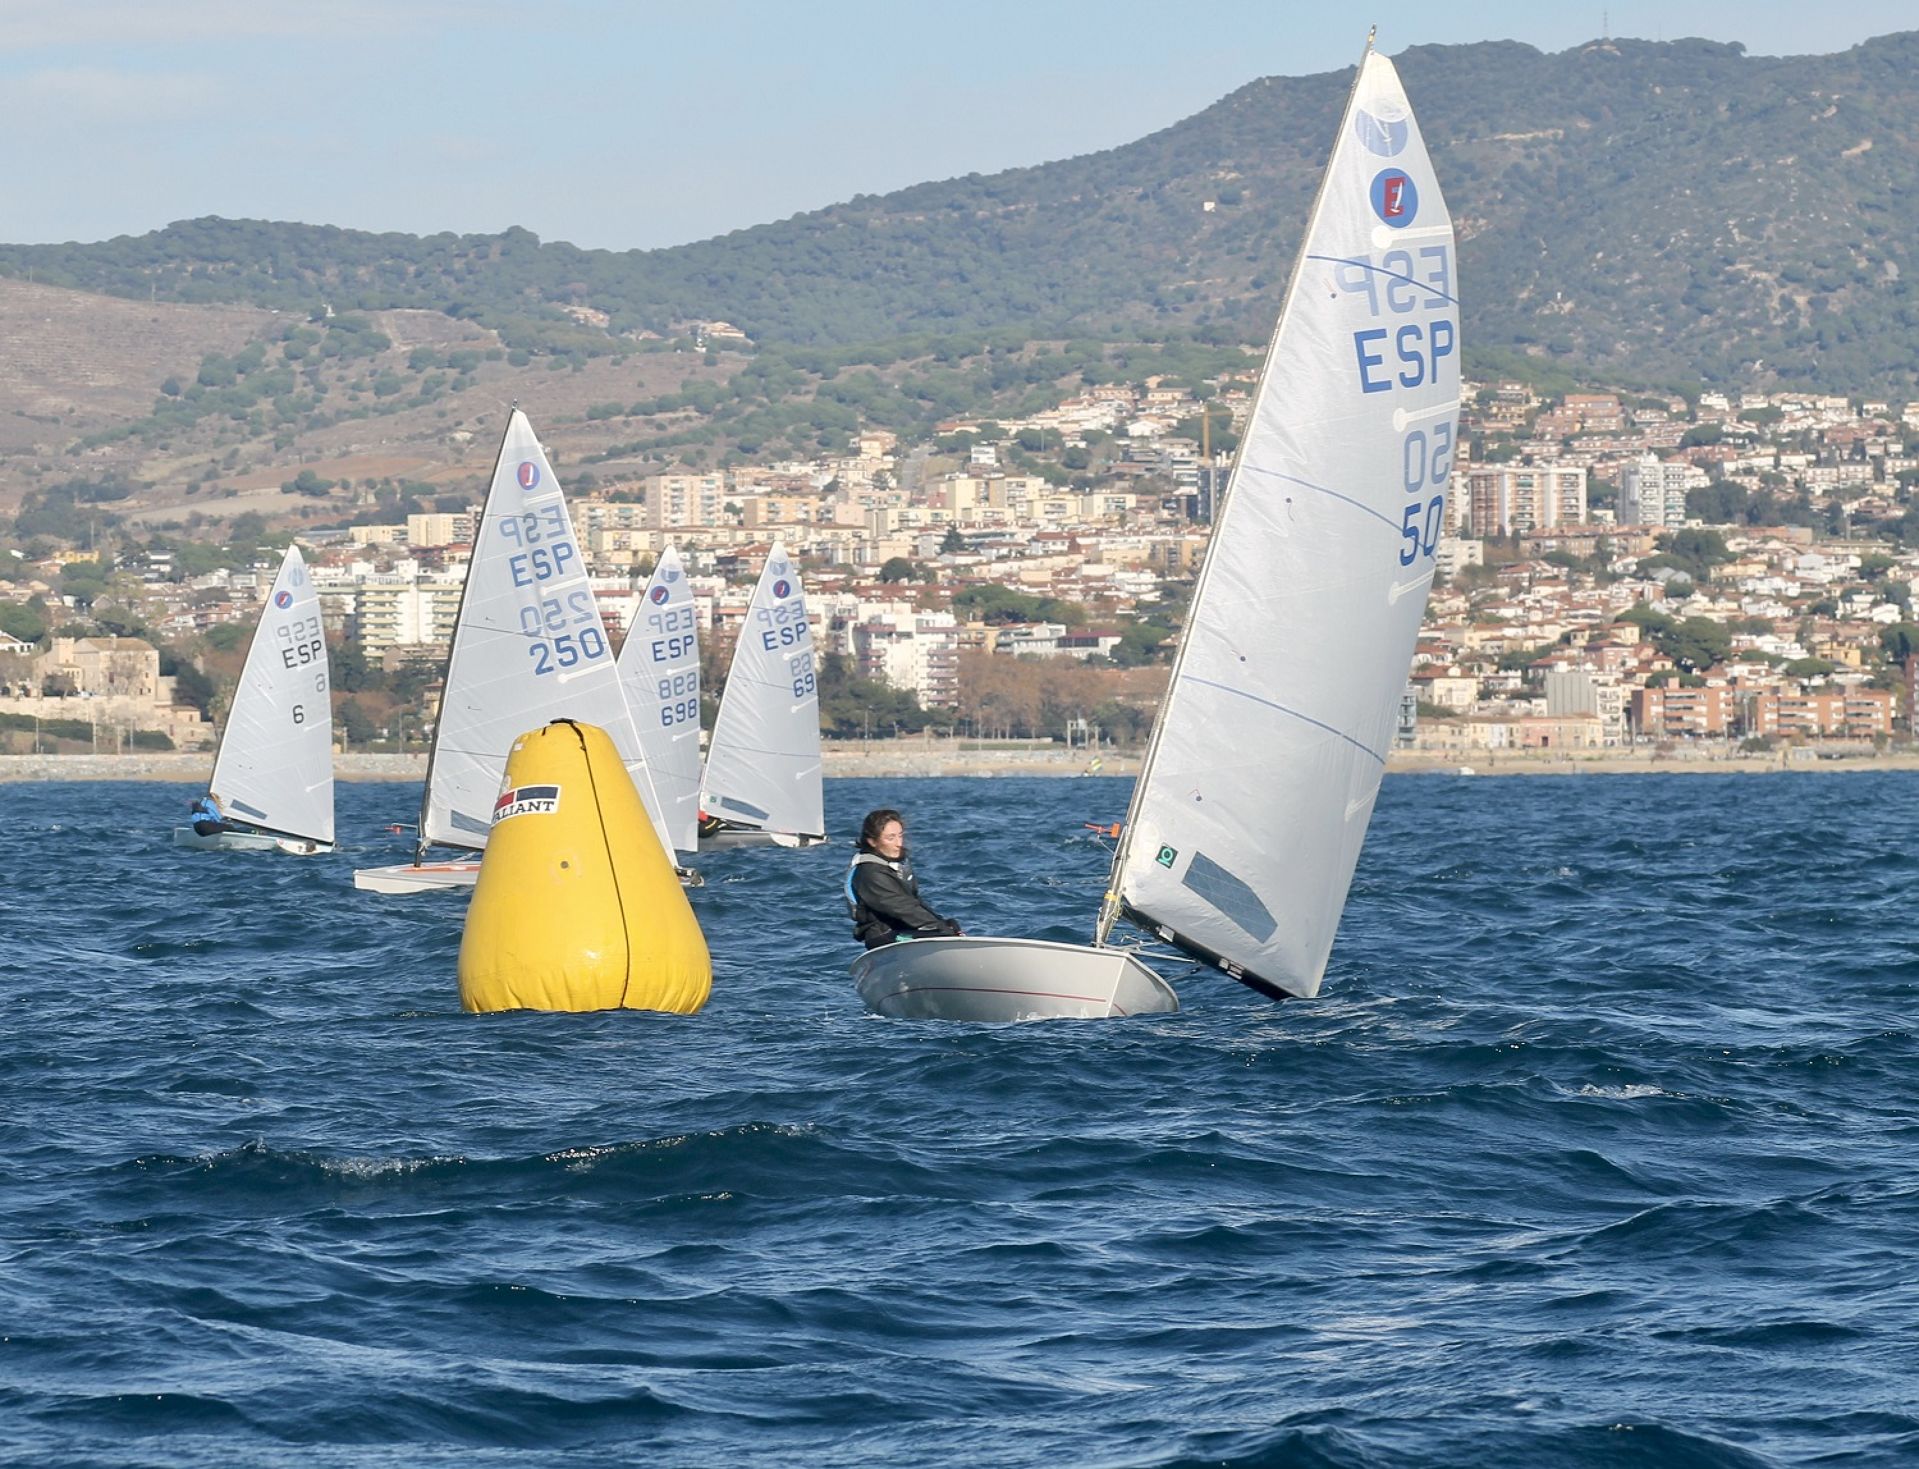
[(1621, 572)]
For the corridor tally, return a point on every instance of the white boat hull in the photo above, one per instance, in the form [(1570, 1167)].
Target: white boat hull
[(246, 841), (997, 979), (724, 841), (410, 877)]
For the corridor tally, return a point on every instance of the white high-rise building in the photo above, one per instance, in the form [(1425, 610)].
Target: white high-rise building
[(910, 650), (678, 500), (402, 612), (1654, 493)]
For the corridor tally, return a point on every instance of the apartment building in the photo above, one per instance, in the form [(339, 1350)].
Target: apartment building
[(764, 510), (442, 528), (676, 500), (591, 515), (1678, 711), (623, 545), (400, 612), (1504, 498), (1445, 688), (1858, 714), (909, 650), (1652, 492)]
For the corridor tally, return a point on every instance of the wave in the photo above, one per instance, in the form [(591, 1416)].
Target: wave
[(1598, 1148)]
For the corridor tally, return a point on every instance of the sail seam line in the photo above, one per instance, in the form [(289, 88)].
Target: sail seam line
[(1307, 718), (1365, 264), (1307, 484)]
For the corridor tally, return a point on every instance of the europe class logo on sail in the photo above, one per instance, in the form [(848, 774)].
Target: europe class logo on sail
[(1395, 200)]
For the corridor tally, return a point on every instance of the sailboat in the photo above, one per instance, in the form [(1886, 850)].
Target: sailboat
[(762, 783), (1259, 780), (660, 668), (528, 648), (274, 769)]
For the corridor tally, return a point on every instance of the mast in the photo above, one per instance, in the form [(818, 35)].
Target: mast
[(1110, 908)]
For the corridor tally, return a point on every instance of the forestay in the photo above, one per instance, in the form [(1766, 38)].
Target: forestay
[(275, 766), (528, 648), (660, 667), (1249, 814), (763, 766)]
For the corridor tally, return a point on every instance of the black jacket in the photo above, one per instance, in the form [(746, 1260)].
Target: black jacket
[(883, 899)]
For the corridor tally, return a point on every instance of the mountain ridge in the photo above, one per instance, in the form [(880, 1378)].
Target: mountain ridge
[(1641, 212)]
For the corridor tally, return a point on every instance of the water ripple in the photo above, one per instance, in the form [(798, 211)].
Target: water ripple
[(1597, 1150)]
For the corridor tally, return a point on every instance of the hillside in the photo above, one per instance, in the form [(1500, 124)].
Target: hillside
[(169, 413), (1635, 212), (164, 414)]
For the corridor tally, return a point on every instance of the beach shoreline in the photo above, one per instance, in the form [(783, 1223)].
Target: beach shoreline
[(914, 759)]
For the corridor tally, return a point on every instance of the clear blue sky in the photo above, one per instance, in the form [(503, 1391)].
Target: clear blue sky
[(640, 124)]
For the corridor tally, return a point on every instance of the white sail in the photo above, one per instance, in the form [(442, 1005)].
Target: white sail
[(763, 766), (275, 766), (660, 667), (1249, 814), (528, 648)]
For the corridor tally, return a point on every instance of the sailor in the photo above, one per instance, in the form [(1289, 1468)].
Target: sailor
[(882, 894), (207, 820)]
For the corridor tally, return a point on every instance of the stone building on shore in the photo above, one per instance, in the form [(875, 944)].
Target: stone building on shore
[(113, 684)]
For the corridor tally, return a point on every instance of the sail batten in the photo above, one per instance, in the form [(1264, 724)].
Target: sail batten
[(1259, 782), (528, 647), (275, 762), (763, 766)]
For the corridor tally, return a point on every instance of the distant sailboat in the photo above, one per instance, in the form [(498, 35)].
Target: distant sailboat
[(660, 668), (528, 648), (274, 769), (1259, 781), (762, 784)]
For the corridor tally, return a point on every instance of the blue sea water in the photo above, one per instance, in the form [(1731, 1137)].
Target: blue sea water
[(1601, 1147)]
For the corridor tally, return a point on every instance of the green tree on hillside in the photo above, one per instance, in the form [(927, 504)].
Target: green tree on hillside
[(997, 604), (26, 621), (1695, 644), (851, 705), (1900, 641)]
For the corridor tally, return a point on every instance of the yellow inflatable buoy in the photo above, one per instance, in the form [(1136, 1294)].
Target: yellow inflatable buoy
[(577, 907)]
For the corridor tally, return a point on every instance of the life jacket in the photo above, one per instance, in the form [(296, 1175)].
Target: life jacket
[(865, 921), (855, 909)]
